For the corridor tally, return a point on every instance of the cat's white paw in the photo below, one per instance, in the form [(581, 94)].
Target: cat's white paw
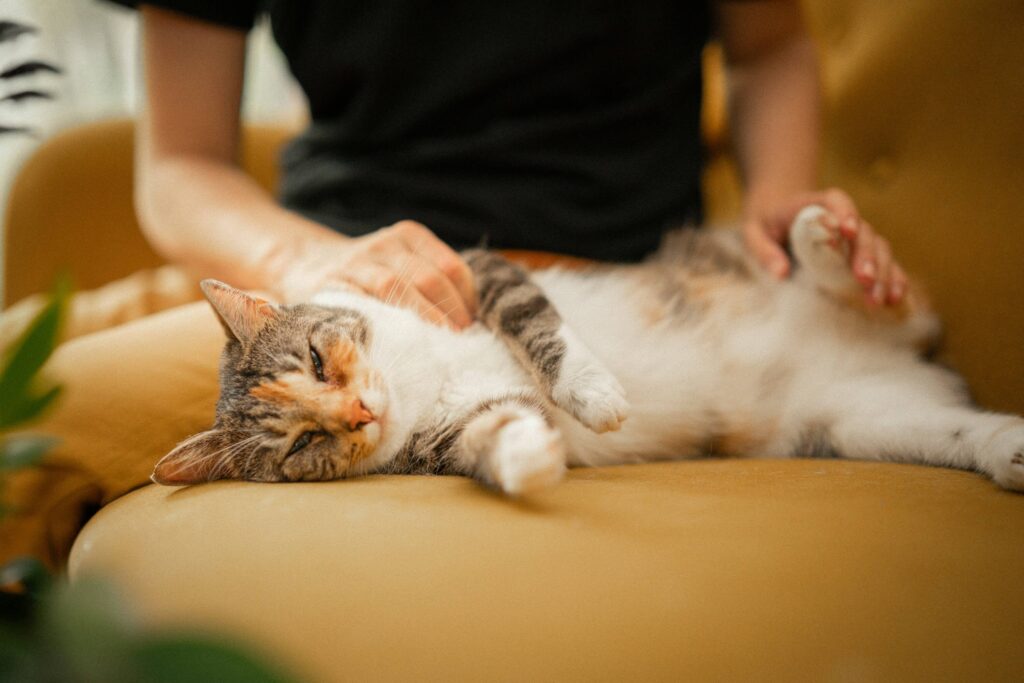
[(588, 391), (528, 456), (1006, 458), (594, 397), (822, 254)]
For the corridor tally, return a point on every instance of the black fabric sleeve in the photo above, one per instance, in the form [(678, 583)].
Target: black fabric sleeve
[(240, 14)]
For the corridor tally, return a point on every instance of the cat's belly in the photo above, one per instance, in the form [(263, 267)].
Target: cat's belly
[(688, 382)]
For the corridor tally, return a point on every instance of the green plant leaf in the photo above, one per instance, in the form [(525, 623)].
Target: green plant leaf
[(27, 408), (17, 654), (188, 658), (17, 452), (26, 356), (90, 627), (28, 573)]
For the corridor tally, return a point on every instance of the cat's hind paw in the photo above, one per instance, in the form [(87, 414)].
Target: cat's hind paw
[(528, 456), (1007, 458), (589, 392), (821, 251)]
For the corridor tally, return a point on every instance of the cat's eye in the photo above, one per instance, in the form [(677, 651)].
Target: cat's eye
[(304, 440), (318, 366)]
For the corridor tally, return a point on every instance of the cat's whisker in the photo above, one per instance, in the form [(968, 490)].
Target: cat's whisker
[(248, 464), (393, 291), (391, 362), (397, 358), (227, 454), (408, 279)]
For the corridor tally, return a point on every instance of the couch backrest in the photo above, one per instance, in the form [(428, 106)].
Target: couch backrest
[(925, 127), (83, 177)]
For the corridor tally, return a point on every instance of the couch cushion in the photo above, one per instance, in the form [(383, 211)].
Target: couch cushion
[(740, 570)]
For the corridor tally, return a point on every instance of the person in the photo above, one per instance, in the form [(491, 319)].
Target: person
[(567, 127), (560, 127)]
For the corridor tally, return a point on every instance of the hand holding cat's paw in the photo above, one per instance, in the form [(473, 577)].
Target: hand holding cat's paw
[(818, 245), (528, 456), (869, 254)]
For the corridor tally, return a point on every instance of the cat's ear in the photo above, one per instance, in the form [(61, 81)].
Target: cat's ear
[(242, 315), (194, 460)]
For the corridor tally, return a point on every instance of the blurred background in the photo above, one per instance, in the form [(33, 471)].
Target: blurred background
[(66, 62)]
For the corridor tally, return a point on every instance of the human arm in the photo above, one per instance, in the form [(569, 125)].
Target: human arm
[(199, 209), (774, 97)]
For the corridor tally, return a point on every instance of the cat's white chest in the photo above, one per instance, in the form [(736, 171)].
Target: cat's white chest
[(434, 372), (476, 366)]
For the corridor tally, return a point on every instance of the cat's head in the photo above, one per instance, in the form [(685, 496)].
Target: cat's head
[(299, 399)]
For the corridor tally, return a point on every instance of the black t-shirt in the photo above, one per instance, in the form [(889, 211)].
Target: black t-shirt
[(535, 124)]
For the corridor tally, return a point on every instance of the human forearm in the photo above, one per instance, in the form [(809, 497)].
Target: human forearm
[(215, 220), (194, 203), (775, 109)]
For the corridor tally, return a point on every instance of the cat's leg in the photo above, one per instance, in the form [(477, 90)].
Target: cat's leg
[(515, 309), (823, 257), (887, 423), (512, 447)]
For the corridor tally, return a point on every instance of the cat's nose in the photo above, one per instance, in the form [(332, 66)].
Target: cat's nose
[(359, 415)]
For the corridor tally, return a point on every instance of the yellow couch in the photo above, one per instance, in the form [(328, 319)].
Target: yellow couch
[(711, 570)]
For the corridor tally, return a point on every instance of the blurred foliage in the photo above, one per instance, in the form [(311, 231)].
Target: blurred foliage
[(52, 631)]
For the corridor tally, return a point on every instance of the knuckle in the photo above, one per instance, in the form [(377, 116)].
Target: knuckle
[(425, 282), (754, 236), (834, 194), (408, 227), (384, 283), (453, 267), (429, 312)]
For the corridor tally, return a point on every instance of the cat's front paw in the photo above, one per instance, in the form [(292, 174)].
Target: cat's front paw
[(528, 456), (589, 392), (1006, 453)]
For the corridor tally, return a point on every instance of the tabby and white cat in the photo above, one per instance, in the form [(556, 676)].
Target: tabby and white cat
[(702, 353)]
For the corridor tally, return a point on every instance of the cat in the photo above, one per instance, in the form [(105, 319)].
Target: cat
[(694, 352)]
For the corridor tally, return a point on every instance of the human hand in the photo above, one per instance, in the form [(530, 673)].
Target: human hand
[(883, 280), (404, 264)]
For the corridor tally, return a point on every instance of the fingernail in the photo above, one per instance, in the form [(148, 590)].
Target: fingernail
[(878, 292), (897, 292), (867, 269)]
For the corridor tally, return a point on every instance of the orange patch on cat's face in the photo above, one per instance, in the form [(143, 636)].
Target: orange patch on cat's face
[(340, 361), (327, 404), (333, 405)]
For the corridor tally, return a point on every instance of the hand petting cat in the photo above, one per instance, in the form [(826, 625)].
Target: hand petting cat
[(404, 264), (766, 232)]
